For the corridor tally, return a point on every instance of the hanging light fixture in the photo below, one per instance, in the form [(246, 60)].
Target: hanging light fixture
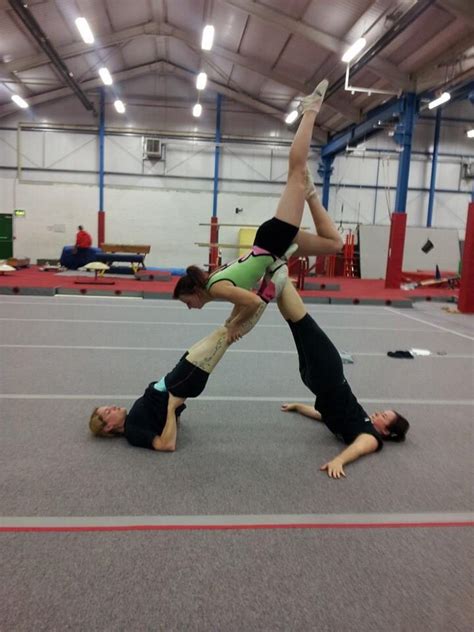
[(354, 50), (85, 30), (201, 81), (21, 103), (207, 37), (439, 100), (105, 76)]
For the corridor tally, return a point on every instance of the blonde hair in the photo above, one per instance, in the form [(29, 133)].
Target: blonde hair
[(97, 425)]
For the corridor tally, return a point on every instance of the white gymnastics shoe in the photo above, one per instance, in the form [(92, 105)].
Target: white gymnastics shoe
[(314, 101)]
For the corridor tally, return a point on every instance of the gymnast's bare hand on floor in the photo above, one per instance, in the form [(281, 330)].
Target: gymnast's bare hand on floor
[(334, 468)]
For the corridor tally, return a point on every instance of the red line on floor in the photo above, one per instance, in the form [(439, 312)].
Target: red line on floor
[(237, 527)]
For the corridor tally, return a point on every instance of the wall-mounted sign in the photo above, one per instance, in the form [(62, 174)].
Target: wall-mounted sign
[(18, 212)]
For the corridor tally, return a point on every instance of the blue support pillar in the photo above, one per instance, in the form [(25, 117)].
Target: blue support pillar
[(396, 245), (404, 137), (101, 214), (325, 170), (376, 191), (434, 166)]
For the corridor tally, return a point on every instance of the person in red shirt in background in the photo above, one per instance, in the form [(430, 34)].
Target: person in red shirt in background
[(83, 240)]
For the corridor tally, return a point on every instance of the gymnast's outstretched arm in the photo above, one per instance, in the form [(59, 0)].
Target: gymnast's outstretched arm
[(362, 445)]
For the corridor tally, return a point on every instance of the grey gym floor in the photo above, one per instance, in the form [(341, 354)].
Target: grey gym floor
[(239, 461)]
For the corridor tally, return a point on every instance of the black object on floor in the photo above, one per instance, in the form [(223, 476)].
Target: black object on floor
[(400, 354)]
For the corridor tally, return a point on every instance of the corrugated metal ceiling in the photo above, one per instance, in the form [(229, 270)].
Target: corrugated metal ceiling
[(266, 52)]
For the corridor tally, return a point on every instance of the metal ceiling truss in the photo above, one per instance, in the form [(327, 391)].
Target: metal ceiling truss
[(458, 92), (376, 118), (191, 39), (161, 67), (460, 8), (28, 20), (398, 27), (435, 72), (383, 68)]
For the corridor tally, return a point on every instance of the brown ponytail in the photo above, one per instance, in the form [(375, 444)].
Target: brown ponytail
[(194, 279), (398, 428)]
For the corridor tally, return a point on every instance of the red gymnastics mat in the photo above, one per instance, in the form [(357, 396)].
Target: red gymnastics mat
[(33, 281)]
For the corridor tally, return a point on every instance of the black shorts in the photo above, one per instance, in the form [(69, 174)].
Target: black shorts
[(186, 380), (276, 236)]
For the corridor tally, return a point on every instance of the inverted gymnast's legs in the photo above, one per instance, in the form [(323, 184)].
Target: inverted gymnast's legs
[(291, 205), (299, 187)]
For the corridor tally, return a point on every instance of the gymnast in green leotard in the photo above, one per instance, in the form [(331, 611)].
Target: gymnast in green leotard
[(274, 237), (246, 271)]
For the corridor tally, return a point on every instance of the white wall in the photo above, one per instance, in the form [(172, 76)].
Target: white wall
[(55, 180), (374, 241)]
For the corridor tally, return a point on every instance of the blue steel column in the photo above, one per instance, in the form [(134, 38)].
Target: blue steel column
[(325, 170), (408, 122), (376, 191), (101, 215), (434, 166), (396, 243), (217, 154)]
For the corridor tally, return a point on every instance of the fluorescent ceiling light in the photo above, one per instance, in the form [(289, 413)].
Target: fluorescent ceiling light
[(85, 30), (201, 81), (119, 106), (197, 110), (105, 76), (470, 133), (354, 50), (291, 117), (442, 99), (19, 101), (207, 37)]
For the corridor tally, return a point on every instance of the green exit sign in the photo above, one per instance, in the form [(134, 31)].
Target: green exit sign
[(19, 212)]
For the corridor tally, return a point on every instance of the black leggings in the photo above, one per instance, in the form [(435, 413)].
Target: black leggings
[(320, 362), (186, 380), (276, 236)]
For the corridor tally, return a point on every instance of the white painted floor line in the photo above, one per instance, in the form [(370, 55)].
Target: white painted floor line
[(236, 520), (145, 349), (427, 322), (235, 398), (320, 308), (73, 321), (434, 355)]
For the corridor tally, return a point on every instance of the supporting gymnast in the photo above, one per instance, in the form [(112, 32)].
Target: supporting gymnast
[(336, 406), (273, 240), (152, 420)]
